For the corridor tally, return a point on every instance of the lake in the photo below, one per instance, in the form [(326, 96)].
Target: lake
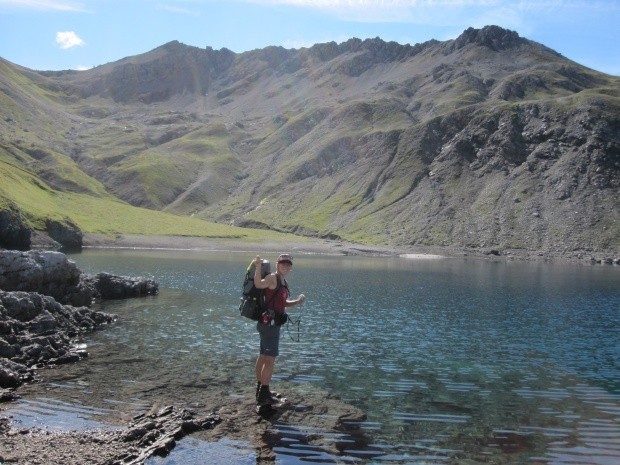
[(454, 360)]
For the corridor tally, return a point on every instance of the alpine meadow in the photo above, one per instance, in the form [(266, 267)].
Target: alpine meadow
[(488, 141)]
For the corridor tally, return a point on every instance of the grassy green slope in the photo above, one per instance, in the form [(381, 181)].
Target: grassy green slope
[(105, 215)]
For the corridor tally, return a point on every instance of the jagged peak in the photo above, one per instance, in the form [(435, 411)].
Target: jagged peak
[(382, 50), (172, 46), (494, 37), (221, 57)]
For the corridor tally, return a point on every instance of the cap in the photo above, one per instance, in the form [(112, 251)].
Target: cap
[(285, 258)]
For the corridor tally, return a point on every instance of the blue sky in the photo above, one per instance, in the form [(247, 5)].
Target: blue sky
[(80, 34)]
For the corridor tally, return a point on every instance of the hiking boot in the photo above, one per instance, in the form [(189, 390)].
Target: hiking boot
[(276, 395), (265, 397)]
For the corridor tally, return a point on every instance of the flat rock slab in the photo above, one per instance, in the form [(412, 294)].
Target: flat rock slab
[(317, 420), (316, 417), (145, 436)]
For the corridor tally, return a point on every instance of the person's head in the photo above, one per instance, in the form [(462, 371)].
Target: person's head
[(285, 262)]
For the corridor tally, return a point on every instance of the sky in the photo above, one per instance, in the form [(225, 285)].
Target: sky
[(81, 34)]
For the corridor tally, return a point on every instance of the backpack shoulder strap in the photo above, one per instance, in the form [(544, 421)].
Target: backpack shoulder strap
[(280, 285), (276, 290)]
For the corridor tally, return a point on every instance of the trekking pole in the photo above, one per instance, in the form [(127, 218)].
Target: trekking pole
[(298, 323)]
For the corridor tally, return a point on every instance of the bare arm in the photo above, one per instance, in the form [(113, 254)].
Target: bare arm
[(297, 301), (268, 282)]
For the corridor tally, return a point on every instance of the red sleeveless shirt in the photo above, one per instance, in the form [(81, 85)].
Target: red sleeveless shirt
[(277, 302)]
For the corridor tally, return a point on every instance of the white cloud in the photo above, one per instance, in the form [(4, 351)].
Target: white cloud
[(54, 5), (68, 39)]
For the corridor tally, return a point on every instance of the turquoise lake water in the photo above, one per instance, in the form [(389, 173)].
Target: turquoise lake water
[(454, 360)]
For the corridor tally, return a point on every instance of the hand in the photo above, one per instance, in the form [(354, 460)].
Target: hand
[(257, 261), (301, 298)]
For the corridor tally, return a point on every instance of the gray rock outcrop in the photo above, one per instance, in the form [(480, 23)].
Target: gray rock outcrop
[(146, 435), (107, 286), (53, 274), (44, 300), (36, 330), (14, 234), (45, 272), (67, 234)]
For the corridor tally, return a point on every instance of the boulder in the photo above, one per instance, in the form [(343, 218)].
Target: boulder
[(45, 272), (53, 274), (13, 374), (14, 234), (8, 378), (67, 234), (109, 286)]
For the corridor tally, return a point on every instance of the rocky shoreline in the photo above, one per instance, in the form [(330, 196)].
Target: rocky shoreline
[(45, 310), (45, 305), (146, 435), (39, 330), (336, 247)]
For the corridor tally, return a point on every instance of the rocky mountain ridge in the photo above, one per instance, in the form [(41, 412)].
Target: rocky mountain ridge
[(488, 140)]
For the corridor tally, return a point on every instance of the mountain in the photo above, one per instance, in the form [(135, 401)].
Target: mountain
[(486, 141)]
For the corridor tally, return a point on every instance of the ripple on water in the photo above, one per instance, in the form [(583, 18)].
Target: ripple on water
[(594, 440), (55, 414), (194, 451), (431, 417)]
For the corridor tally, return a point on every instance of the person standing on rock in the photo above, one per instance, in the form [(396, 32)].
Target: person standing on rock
[(268, 326)]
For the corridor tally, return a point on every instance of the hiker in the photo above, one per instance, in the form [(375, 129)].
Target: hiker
[(268, 326)]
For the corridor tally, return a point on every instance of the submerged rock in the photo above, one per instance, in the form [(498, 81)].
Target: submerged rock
[(35, 330)]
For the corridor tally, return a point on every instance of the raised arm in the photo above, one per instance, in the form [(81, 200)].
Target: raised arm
[(263, 283)]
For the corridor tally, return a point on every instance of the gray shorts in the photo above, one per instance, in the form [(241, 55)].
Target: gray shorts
[(269, 339)]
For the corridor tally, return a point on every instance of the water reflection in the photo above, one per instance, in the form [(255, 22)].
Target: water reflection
[(453, 360), (223, 452)]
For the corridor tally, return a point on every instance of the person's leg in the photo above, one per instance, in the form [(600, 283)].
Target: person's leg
[(262, 331), (258, 369), (264, 395), (267, 365)]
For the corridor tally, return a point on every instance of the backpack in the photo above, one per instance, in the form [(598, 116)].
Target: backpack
[(252, 299)]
